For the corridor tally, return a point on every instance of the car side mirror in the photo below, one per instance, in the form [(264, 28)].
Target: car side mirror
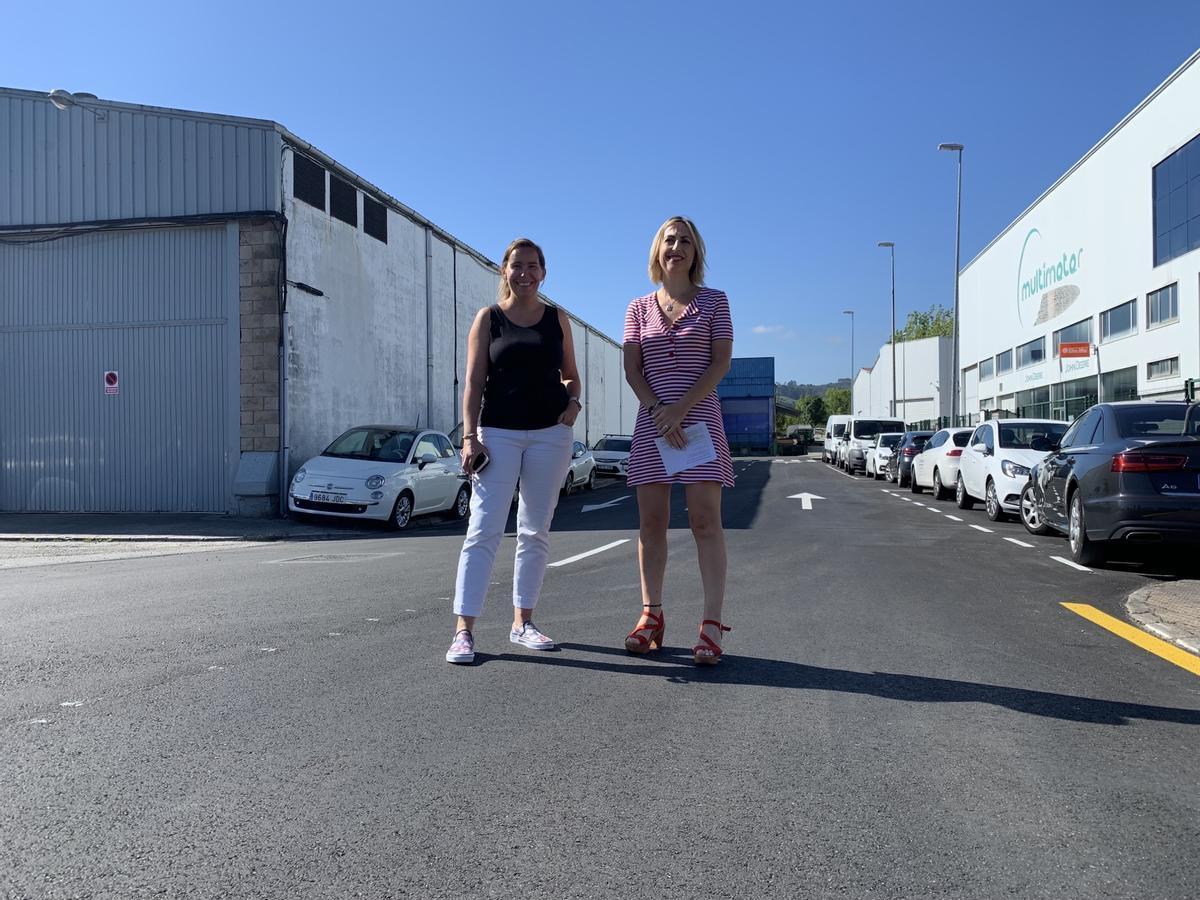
[(578, 454), (426, 459)]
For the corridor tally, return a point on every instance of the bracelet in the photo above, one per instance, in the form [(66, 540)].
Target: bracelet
[(578, 402), (473, 434)]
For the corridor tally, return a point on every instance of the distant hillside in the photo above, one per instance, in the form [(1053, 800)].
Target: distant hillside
[(796, 391)]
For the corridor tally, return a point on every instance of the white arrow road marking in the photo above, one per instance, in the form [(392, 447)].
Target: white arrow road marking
[(1071, 563), (589, 507), (805, 499), (579, 556)]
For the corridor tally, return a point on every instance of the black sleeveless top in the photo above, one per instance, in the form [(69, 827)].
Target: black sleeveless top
[(524, 388)]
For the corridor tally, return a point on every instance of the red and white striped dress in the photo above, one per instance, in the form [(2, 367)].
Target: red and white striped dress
[(674, 356)]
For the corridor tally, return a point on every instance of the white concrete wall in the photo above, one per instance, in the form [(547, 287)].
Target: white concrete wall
[(1101, 213), (922, 369), (358, 354)]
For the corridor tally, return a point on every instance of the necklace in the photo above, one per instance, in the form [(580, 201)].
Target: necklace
[(670, 306)]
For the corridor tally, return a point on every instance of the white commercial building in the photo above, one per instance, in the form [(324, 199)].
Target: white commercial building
[(193, 304), (1105, 260), (923, 371)]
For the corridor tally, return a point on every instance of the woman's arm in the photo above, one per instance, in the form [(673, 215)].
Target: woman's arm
[(635, 374), (569, 371), (669, 417), (477, 369)]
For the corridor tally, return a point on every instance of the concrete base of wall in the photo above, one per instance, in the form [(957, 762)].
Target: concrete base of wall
[(256, 487), (258, 507)]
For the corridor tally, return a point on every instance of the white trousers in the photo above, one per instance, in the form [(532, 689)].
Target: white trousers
[(540, 460)]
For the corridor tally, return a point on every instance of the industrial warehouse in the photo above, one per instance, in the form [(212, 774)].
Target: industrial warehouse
[(194, 304), (1093, 293)]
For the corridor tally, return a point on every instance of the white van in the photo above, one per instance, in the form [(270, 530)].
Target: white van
[(835, 431), (860, 436)]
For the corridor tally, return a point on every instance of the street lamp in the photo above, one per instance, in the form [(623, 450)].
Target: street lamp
[(850, 313), (891, 246), (957, 148)]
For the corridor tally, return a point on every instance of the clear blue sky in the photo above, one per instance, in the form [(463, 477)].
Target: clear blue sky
[(797, 135)]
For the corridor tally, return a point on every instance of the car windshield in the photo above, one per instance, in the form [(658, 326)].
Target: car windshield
[(961, 439), (615, 445), (1151, 420), (382, 444), (839, 430), (1021, 437), (870, 428), (890, 440)]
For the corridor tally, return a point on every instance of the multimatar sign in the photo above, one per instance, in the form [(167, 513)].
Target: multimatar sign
[(1074, 349), (112, 383)]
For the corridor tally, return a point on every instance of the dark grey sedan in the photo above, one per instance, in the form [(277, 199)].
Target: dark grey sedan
[(1124, 472), (899, 464)]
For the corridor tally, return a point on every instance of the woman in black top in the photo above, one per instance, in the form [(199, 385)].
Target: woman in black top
[(519, 405)]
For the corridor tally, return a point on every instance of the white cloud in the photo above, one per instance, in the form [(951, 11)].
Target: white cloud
[(767, 329)]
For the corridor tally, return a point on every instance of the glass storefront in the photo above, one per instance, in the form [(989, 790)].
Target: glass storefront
[(1034, 403), (1069, 398), (1119, 385)]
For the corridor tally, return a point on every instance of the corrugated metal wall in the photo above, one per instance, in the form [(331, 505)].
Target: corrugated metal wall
[(158, 306), (747, 395), (63, 166)]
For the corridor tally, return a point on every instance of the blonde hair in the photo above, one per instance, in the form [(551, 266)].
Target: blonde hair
[(504, 292), (696, 273)]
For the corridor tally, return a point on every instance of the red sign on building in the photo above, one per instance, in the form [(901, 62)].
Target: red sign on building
[(1074, 349)]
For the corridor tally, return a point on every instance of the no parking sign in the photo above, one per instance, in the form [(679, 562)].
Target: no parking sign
[(112, 383)]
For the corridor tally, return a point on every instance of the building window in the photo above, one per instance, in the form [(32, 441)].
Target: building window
[(1004, 362), (1118, 321), (1163, 368), (986, 403), (1080, 331), (987, 369), (1032, 353), (308, 181), (374, 218), (1034, 403), (1177, 203), (1162, 306), (1119, 385), (343, 200)]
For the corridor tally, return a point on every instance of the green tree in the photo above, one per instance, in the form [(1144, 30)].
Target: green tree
[(937, 321), (812, 410), (837, 401)]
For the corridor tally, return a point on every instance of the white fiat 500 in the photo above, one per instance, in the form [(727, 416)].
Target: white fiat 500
[(385, 472), (995, 464)]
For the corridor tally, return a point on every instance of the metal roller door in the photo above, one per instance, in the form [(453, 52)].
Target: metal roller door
[(159, 308)]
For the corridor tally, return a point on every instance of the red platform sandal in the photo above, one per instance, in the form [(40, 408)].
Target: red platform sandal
[(649, 635), (708, 652)]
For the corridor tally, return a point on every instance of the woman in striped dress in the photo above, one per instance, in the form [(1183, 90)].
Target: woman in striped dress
[(678, 345)]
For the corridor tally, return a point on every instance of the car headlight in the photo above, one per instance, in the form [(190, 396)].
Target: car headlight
[(1012, 470), (300, 475), (374, 482)]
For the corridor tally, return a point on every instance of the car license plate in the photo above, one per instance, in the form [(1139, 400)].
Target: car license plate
[(321, 497)]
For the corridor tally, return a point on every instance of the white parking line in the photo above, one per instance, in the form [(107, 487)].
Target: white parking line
[(953, 518), (915, 503), (984, 530), (1018, 543), (579, 556), (932, 510), (1071, 563)]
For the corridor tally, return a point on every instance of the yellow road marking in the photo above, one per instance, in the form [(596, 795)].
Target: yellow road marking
[(1147, 642)]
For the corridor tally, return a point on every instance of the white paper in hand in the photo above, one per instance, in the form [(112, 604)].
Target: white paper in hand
[(699, 450)]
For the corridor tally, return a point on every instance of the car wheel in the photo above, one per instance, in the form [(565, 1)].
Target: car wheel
[(402, 511), (591, 482), (462, 503), (1031, 515), (939, 491), (962, 499), (995, 511), (1083, 551), (912, 482), (568, 485)]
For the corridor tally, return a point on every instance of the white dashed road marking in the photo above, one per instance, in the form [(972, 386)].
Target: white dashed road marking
[(953, 518), (579, 556), (1071, 563), (984, 530), (1018, 543)]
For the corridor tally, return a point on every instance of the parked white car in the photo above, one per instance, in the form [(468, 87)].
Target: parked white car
[(936, 466), (996, 463), (385, 472), (880, 452), (860, 437), (582, 471), (611, 453)]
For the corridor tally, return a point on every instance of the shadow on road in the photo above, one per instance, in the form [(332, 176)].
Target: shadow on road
[(674, 665)]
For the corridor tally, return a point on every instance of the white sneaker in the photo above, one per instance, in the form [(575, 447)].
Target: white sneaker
[(529, 636)]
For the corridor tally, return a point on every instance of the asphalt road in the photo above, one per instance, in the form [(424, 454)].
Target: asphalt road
[(905, 709)]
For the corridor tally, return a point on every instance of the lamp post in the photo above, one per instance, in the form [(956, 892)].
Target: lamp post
[(957, 148), (850, 313), (891, 246)]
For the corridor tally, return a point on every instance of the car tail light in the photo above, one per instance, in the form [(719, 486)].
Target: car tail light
[(910, 451), (957, 451), (1147, 462)]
